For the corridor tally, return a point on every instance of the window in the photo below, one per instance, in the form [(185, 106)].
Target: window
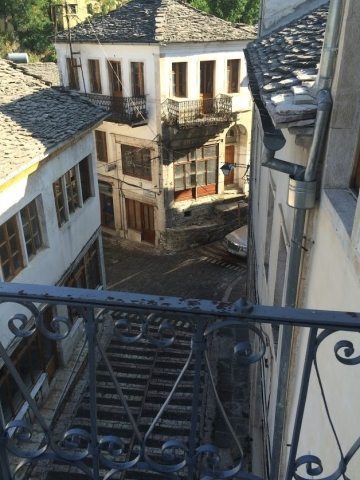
[(73, 74), (10, 249), (179, 77), (270, 214), (71, 8), (137, 79), (94, 75), (32, 357), (106, 205), (233, 73), (195, 173), (355, 184), (67, 194), (87, 271), (31, 228), (18, 247), (115, 78), (279, 284), (85, 179), (101, 148), (136, 161), (72, 192), (59, 201)]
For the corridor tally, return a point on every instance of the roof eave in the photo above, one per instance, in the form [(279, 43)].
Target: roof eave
[(50, 152)]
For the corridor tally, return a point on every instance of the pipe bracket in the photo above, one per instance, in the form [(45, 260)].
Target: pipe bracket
[(301, 194)]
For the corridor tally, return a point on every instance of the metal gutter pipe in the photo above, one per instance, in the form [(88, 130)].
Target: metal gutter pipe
[(268, 160), (301, 198), (327, 64)]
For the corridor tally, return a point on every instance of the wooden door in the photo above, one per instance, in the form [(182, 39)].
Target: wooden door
[(229, 158), (207, 70), (147, 223), (115, 84), (140, 217)]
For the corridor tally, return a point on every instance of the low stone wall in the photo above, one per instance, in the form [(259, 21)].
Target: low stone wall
[(190, 236)]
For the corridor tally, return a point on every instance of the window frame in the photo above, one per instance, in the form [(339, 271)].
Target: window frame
[(94, 75), (179, 79), (73, 194), (142, 161), (21, 240), (106, 192), (233, 84), (73, 73), (190, 164), (101, 146), (11, 253), (115, 77), (137, 79), (85, 179), (355, 177), (80, 276), (31, 220)]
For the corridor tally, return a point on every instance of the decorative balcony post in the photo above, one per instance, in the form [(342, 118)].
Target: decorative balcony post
[(91, 330), (198, 349), (4, 460), (310, 352)]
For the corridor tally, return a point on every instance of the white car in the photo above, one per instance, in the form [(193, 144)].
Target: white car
[(236, 241)]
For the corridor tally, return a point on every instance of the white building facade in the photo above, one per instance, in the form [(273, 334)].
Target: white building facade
[(180, 109), (49, 223), (316, 265)]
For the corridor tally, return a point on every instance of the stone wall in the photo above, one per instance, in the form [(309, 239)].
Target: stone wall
[(189, 235)]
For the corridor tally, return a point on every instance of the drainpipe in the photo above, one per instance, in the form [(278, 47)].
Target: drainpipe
[(301, 196)]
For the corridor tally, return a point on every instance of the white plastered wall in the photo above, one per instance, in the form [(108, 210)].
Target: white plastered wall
[(63, 244)]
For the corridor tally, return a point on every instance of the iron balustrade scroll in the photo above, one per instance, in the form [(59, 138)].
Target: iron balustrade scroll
[(129, 110), (192, 113), (150, 322)]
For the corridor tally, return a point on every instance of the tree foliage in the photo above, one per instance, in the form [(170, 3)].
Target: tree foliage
[(30, 21), (246, 11)]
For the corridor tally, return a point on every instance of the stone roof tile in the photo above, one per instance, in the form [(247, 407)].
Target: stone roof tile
[(48, 72), (284, 65), (35, 118), (156, 21)]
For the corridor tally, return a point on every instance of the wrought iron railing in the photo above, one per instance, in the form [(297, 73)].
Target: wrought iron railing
[(161, 331), (192, 113), (129, 110)]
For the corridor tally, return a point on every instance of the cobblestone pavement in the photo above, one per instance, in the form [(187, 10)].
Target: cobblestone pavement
[(207, 272), (203, 272)]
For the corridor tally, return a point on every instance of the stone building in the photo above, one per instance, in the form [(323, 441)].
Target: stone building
[(304, 232), (174, 79), (49, 218)]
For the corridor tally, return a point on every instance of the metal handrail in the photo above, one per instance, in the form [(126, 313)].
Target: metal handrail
[(188, 113), (153, 322), (125, 109)]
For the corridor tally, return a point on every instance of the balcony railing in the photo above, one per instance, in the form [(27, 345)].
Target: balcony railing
[(195, 113), (129, 110), (153, 420)]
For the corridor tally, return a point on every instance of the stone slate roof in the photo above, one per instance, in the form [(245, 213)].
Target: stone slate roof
[(35, 118), (155, 21), (48, 72), (283, 67)]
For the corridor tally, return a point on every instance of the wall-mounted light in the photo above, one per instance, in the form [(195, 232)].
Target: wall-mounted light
[(227, 168)]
